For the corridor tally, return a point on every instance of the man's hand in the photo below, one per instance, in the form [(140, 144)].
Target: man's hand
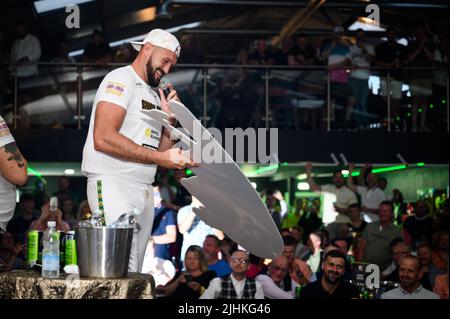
[(175, 159), (165, 103), (278, 195), (194, 286)]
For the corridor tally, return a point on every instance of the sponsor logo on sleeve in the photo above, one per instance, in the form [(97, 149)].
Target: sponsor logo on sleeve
[(4, 130), (115, 88)]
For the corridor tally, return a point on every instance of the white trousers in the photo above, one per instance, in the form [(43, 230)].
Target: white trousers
[(120, 196)]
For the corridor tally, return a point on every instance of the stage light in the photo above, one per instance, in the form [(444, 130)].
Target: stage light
[(69, 171), (302, 186), (345, 172)]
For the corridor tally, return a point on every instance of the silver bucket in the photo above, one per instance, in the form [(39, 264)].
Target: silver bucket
[(103, 252)]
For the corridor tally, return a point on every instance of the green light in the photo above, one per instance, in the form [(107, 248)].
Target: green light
[(420, 164), (388, 169), (188, 172), (420, 110), (431, 105), (34, 172), (398, 118), (443, 101), (409, 114), (285, 164), (353, 174), (269, 168)]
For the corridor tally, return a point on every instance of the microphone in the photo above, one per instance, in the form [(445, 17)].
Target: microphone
[(164, 86)]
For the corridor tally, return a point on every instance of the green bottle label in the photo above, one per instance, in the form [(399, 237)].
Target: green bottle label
[(71, 252), (33, 247)]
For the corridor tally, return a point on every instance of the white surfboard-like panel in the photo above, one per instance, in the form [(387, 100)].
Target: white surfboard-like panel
[(230, 203)]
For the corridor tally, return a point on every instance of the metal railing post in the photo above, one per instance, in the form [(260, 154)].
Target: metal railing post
[(448, 102), (266, 92), (16, 102), (328, 101), (388, 90), (79, 116), (205, 97)]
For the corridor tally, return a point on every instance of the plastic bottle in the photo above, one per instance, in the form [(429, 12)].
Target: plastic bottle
[(50, 253)]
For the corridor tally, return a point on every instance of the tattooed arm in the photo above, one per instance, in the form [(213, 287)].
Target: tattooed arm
[(13, 166)]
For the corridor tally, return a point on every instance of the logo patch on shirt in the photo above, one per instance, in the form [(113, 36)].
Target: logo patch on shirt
[(149, 106), (153, 134), (4, 130), (115, 88)]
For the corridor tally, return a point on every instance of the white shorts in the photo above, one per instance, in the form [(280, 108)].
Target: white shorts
[(119, 196), (7, 206), (396, 88)]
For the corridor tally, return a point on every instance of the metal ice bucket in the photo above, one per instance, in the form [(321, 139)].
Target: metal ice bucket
[(103, 252)]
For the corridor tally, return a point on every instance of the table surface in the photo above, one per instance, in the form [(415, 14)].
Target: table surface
[(29, 284)]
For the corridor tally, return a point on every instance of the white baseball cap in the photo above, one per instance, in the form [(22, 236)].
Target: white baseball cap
[(160, 38)]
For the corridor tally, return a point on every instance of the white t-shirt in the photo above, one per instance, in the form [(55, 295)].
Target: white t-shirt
[(125, 88), (357, 57), (342, 197), (371, 198), (26, 47), (7, 189)]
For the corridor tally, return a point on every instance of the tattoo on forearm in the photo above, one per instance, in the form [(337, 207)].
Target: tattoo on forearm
[(12, 149)]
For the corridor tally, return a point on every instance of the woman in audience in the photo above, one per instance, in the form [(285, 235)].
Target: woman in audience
[(191, 283), (10, 253)]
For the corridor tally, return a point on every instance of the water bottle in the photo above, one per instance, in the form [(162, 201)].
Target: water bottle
[(50, 253)]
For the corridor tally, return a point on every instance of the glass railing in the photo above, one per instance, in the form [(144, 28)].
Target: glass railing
[(286, 97)]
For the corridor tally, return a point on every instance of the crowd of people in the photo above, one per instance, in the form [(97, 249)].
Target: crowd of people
[(189, 259), (348, 58)]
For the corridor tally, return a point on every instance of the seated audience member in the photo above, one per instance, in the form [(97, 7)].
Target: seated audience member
[(398, 249), (164, 229), (236, 285), (410, 287), (285, 232), (191, 283), (301, 251), (211, 248), (227, 247), (375, 244), (256, 266), (161, 269), (440, 251), (97, 50), (331, 285), (426, 263), (419, 227), (84, 211), (11, 254), (19, 225), (315, 245), (441, 286), (273, 283), (298, 269), (48, 215), (342, 246), (68, 211)]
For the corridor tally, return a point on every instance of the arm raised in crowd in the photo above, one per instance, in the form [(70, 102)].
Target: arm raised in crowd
[(312, 184), (350, 184)]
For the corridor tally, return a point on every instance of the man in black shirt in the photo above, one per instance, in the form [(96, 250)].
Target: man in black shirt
[(331, 285), (419, 227), (98, 50), (303, 52), (19, 225)]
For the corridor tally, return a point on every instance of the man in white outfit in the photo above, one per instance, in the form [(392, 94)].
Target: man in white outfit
[(13, 172), (124, 147)]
